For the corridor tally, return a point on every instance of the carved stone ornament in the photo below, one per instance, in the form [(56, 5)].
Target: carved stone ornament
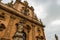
[(10, 4), (25, 11), (19, 27), (40, 21), (26, 3), (28, 28), (39, 37), (32, 8), (22, 21)]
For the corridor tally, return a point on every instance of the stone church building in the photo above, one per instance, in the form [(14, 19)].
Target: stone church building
[(19, 22)]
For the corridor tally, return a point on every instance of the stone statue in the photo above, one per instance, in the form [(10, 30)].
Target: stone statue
[(56, 37), (40, 21)]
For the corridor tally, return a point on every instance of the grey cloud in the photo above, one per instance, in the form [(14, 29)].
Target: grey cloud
[(53, 11)]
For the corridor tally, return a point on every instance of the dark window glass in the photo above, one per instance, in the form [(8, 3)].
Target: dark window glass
[(24, 36)]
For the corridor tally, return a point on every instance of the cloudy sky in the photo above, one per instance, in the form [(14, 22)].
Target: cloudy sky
[(48, 12)]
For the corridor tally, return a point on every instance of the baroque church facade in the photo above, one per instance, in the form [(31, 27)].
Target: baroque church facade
[(19, 22)]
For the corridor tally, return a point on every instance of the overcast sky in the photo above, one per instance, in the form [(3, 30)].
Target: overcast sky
[(49, 12)]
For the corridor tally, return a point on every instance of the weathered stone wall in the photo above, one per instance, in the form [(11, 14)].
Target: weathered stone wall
[(32, 30)]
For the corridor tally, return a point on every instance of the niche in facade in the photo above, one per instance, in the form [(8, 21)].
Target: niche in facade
[(2, 27)]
